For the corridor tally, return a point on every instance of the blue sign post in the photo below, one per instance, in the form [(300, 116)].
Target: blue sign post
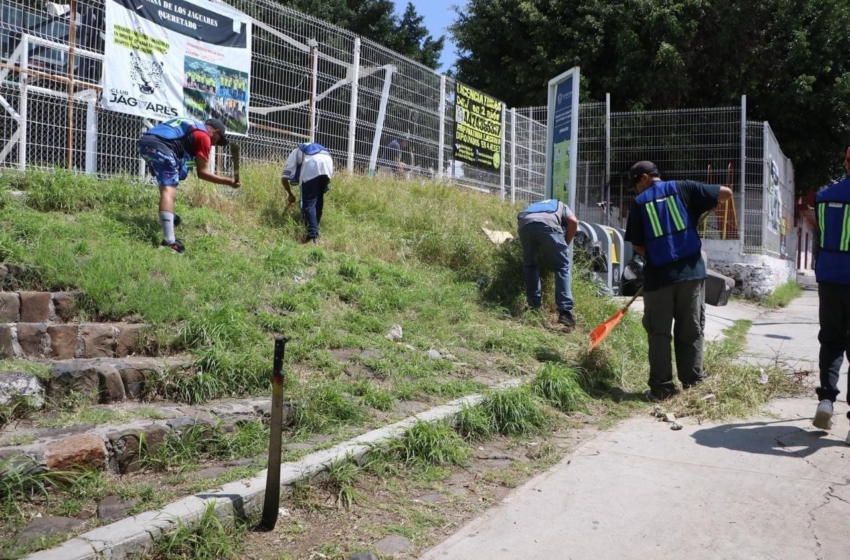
[(562, 137)]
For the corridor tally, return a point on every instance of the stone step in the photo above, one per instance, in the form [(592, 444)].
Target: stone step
[(104, 380), (65, 341), (38, 307), (116, 447)]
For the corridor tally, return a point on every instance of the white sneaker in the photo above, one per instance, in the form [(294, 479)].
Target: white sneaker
[(823, 415)]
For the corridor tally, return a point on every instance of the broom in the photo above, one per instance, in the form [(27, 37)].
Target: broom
[(602, 331)]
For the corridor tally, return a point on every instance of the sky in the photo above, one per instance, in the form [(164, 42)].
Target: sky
[(438, 16)]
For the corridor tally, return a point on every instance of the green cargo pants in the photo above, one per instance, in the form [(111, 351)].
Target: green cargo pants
[(679, 308)]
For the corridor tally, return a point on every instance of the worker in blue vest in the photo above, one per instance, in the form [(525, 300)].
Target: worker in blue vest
[(662, 227), (167, 148), (832, 270), (548, 226), (312, 167)]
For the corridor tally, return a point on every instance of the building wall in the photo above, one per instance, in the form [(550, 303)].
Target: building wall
[(756, 276)]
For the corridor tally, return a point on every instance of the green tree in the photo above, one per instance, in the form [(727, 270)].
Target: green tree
[(376, 20), (790, 57)]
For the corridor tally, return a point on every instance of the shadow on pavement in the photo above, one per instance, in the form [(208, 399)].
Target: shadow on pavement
[(766, 438)]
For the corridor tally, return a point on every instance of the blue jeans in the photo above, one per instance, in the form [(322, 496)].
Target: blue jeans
[(551, 243), (312, 203)]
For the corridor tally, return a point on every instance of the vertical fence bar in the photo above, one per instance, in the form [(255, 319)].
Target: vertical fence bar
[(314, 76), (382, 113), (502, 156), (91, 137), (441, 149), (513, 156), (352, 110), (743, 207), (71, 73), (607, 159), (531, 155), (23, 106)]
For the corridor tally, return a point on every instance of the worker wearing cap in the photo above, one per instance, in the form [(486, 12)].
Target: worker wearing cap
[(662, 227), (167, 147), (832, 271)]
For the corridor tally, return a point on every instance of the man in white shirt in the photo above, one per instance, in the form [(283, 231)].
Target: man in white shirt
[(311, 166)]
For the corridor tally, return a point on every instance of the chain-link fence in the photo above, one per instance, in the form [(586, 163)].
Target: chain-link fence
[(707, 145), (366, 97)]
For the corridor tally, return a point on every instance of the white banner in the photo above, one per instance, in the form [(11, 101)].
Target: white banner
[(178, 58)]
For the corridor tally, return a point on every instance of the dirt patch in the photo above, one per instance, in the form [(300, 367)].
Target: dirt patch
[(425, 507)]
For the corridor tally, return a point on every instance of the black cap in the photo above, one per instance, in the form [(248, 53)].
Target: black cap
[(219, 126), (641, 168)]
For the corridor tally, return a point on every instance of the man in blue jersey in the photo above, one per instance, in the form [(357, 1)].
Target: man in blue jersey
[(662, 227), (167, 148), (548, 226), (832, 270)]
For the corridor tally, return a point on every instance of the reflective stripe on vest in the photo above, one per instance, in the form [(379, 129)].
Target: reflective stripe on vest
[(828, 227)]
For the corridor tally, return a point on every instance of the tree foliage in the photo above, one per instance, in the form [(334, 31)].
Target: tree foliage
[(790, 57), (376, 20)]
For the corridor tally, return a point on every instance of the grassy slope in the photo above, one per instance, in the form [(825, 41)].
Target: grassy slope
[(391, 252)]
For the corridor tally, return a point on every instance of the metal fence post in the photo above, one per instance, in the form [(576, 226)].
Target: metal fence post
[(530, 151), (502, 157), (382, 113), (352, 110), (91, 137), (23, 105), (314, 75), (441, 155), (513, 155), (743, 218), (607, 159)]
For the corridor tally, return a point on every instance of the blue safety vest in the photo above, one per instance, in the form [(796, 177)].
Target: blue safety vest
[(670, 235), (175, 129), (833, 210), (548, 206)]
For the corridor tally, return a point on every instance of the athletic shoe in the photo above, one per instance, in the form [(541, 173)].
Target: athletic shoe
[(177, 220), (176, 247), (823, 415), (566, 318), (313, 240)]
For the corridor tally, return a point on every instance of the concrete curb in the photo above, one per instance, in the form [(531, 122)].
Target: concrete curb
[(237, 499)]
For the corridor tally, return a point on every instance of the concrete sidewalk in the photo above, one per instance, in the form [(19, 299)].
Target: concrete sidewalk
[(771, 487)]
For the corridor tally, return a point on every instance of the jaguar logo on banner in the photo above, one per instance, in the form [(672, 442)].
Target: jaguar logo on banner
[(172, 58)]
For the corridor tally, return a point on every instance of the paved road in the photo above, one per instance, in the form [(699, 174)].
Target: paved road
[(771, 487)]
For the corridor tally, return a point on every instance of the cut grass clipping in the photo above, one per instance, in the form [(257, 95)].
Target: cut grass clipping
[(733, 389)]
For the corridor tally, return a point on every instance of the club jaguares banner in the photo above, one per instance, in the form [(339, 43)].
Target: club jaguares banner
[(478, 128), (175, 58)]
